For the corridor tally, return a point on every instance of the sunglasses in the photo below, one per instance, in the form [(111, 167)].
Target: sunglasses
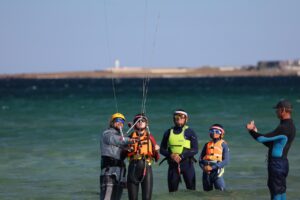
[(119, 120), (179, 116), (217, 131), (142, 120)]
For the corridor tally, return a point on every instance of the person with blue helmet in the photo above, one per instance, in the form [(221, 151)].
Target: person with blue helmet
[(279, 142), (179, 146), (214, 157)]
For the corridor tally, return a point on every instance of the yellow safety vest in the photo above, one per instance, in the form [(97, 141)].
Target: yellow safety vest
[(177, 143)]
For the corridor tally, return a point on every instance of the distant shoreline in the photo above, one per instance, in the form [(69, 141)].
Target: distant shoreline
[(156, 73), (186, 73)]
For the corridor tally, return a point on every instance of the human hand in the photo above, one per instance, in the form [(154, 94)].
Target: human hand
[(251, 126), (207, 169), (132, 140), (176, 157), (157, 147), (129, 149)]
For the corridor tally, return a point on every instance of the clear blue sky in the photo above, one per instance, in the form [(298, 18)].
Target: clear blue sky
[(67, 35)]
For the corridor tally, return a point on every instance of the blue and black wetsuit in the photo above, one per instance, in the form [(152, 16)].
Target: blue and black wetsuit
[(186, 167), (279, 142)]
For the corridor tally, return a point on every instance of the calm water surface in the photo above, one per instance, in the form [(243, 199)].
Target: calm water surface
[(49, 132)]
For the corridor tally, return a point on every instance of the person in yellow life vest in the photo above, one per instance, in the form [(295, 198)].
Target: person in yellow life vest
[(141, 156), (213, 158), (179, 146)]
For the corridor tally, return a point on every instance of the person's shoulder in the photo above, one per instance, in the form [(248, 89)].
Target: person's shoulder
[(286, 123), (130, 135), (190, 134), (205, 146), (167, 132), (189, 130), (224, 143), (109, 131), (285, 126), (151, 136), (291, 123), (188, 127)]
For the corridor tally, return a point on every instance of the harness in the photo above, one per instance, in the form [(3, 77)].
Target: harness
[(107, 162), (113, 167), (141, 151)]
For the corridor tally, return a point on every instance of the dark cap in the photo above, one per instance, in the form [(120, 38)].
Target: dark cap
[(140, 116), (283, 104)]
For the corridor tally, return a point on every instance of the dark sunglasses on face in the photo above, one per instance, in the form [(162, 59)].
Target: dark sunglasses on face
[(217, 131), (119, 120), (179, 116), (142, 120)]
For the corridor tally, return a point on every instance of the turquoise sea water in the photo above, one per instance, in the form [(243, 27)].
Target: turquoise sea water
[(49, 132)]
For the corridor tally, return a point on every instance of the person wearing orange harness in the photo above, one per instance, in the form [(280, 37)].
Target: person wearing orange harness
[(141, 155), (213, 158)]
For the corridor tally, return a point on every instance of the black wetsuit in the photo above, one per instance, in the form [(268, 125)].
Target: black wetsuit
[(279, 142), (186, 167), (139, 169), (136, 176)]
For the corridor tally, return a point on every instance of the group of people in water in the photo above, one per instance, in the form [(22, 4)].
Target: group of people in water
[(179, 147)]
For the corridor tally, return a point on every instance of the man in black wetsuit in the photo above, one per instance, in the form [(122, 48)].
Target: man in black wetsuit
[(279, 142), (179, 145)]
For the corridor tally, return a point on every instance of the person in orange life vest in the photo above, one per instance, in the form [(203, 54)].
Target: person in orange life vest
[(213, 158), (141, 156), (179, 146)]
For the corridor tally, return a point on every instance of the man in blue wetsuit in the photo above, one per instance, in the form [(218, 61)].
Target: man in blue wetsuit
[(179, 145), (279, 142)]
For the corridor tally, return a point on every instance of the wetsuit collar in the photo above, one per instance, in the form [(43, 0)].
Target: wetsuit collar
[(285, 120)]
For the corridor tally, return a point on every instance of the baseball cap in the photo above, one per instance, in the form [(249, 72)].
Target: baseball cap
[(283, 104)]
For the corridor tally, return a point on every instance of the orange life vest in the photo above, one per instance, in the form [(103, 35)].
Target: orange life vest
[(214, 151), (141, 149)]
